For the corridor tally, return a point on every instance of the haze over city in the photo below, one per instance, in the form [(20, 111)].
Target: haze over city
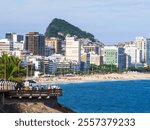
[(110, 21)]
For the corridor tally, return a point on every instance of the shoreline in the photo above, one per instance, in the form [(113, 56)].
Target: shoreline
[(91, 81), (95, 78)]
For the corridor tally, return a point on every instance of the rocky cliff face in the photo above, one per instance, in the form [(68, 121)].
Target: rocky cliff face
[(32, 107)]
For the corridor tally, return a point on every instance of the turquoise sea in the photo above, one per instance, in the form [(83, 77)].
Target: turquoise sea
[(107, 97)]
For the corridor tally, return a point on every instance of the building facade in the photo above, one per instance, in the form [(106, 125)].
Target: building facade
[(148, 52), (141, 44), (54, 43), (94, 58), (13, 37), (35, 43), (18, 46), (73, 49), (111, 55), (92, 48), (6, 45), (135, 54), (114, 56), (121, 57), (85, 57)]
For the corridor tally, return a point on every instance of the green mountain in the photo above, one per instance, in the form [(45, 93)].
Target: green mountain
[(60, 28)]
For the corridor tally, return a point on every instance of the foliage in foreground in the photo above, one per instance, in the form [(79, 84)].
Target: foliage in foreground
[(10, 68)]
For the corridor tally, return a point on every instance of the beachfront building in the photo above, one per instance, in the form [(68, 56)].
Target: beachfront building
[(73, 49), (94, 58), (111, 55), (121, 57), (127, 61), (75, 66), (141, 44), (102, 55), (35, 43), (134, 53), (114, 55), (52, 66), (68, 66), (6, 45), (85, 58), (148, 52), (64, 65)]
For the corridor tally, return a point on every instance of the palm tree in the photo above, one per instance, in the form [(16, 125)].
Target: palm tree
[(10, 67), (3, 65)]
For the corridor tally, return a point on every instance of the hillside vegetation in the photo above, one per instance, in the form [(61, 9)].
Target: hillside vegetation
[(60, 28)]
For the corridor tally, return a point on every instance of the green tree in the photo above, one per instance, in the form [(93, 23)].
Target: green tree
[(10, 67)]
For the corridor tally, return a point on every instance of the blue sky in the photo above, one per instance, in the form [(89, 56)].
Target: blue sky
[(111, 21)]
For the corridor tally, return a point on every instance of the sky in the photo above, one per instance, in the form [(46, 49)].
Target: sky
[(110, 21)]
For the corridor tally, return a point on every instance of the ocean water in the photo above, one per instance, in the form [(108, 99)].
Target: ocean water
[(107, 97)]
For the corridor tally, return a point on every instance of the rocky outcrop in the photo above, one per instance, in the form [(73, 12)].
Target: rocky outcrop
[(33, 107)]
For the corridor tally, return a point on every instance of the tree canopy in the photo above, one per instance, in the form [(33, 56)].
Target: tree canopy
[(10, 68)]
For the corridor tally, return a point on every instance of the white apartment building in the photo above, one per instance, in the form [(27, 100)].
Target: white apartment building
[(73, 49), (134, 53), (141, 43), (94, 58), (18, 46), (13, 37), (6, 45)]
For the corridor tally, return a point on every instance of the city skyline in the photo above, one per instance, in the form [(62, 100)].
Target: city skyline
[(109, 21)]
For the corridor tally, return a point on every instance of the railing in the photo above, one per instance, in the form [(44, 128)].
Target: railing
[(35, 93), (7, 85), (13, 90)]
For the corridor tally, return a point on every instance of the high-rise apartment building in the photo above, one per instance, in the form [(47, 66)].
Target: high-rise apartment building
[(141, 44), (114, 55), (73, 49), (134, 53), (35, 43), (6, 45), (127, 61), (85, 57), (13, 37), (148, 52), (94, 58), (54, 43)]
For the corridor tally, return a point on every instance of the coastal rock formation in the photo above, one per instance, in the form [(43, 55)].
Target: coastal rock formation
[(32, 107)]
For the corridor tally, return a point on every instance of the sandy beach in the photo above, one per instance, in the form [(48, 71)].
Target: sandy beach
[(95, 77)]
